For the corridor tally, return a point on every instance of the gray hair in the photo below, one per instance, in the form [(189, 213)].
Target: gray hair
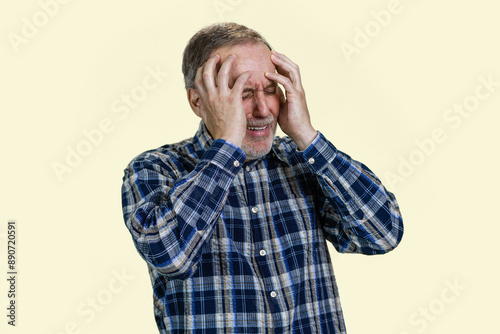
[(211, 38)]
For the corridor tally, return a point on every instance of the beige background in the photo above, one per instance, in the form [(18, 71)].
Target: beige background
[(63, 79)]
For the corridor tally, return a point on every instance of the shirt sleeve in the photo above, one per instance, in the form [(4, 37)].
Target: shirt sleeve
[(358, 213), (170, 216)]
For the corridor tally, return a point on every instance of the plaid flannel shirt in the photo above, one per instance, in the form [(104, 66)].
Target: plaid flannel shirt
[(235, 247)]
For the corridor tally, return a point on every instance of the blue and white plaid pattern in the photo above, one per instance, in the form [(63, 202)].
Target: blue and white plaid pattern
[(240, 248)]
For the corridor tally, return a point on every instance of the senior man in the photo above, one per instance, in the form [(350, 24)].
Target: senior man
[(233, 222)]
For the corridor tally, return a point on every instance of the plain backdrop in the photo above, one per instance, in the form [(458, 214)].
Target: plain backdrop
[(410, 88)]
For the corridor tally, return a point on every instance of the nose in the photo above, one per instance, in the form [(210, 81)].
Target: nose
[(260, 107)]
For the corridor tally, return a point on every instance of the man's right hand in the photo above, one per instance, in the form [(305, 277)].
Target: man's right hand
[(221, 106)]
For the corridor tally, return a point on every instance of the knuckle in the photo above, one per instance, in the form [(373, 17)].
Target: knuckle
[(212, 99), (197, 83)]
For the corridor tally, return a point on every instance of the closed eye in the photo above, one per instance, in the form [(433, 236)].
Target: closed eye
[(247, 95)]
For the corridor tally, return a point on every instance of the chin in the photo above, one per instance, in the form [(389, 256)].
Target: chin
[(257, 150)]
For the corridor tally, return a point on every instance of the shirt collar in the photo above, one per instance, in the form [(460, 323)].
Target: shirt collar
[(279, 151), (202, 139)]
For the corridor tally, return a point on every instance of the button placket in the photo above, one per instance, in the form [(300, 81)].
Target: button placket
[(262, 254)]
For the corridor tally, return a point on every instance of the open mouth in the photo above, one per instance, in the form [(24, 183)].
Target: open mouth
[(257, 128), (258, 131)]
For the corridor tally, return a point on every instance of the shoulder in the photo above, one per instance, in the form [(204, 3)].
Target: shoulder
[(169, 157)]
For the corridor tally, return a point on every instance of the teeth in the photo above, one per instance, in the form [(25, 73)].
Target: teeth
[(253, 128)]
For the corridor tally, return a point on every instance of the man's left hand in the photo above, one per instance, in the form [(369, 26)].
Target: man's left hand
[(294, 117)]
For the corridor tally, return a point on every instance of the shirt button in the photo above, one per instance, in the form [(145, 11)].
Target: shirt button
[(311, 160), (247, 168), (255, 209), (236, 163), (273, 294), (262, 252), (200, 225)]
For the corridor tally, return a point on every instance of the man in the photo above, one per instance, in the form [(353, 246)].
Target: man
[(232, 222)]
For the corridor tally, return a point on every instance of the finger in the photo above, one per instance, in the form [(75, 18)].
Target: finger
[(284, 59), (208, 73), (283, 80), (286, 67), (281, 96), (241, 81), (198, 82), (223, 74), (287, 70)]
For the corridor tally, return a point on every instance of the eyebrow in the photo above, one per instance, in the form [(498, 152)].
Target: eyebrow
[(271, 85)]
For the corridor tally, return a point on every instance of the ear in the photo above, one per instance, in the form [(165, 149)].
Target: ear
[(194, 101)]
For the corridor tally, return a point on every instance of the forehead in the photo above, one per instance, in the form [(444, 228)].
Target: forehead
[(254, 57)]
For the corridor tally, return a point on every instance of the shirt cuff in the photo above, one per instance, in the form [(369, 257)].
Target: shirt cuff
[(320, 153), (225, 155)]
